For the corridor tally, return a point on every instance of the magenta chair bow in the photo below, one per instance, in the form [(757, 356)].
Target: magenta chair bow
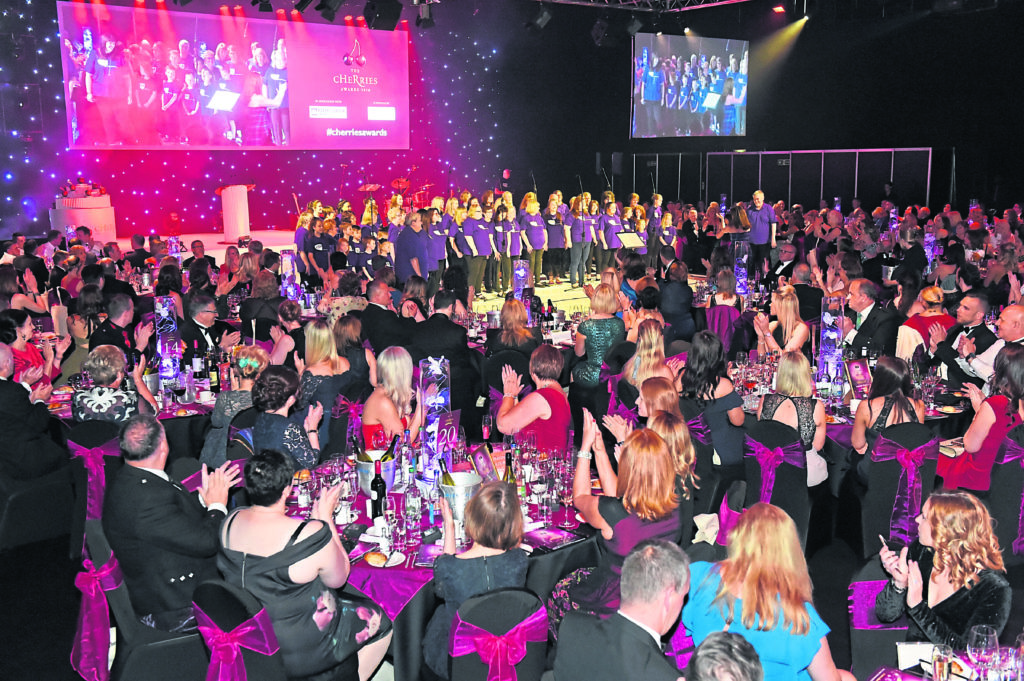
[(345, 407), (226, 663), (92, 639), (1015, 452), (699, 429), (496, 396), (907, 503), (500, 652), (96, 482), (769, 459)]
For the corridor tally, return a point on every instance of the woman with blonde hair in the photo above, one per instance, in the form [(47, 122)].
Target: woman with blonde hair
[(596, 335), (319, 366), (232, 261), (789, 332), (649, 359), (514, 333), (247, 364), (951, 577), (792, 404), (388, 410), (913, 332), (762, 591), (643, 508)]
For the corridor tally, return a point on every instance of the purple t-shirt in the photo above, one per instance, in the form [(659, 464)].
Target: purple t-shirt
[(556, 231), (667, 233), (589, 224), (300, 244), (760, 223), (534, 227), (393, 231), (610, 225), (438, 238), (480, 232), (410, 244), (513, 245)]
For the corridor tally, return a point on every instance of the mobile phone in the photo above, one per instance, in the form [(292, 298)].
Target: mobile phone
[(350, 536), (884, 543)]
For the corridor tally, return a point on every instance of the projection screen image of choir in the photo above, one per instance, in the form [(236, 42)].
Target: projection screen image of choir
[(689, 86)]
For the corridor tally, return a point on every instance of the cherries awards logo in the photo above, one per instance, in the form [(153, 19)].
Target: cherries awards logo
[(355, 56)]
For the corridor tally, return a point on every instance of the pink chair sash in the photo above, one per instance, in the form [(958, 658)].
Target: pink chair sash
[(770, 459), (862, 607), (500, 652), (96, 482), (699, 429), (907, 503), (1011, 451), (727, 519), (354, 410), (495, 398), (226, 663), (92, 638)]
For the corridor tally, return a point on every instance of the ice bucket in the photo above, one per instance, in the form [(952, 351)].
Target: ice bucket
[(459, 494), (364, 472)]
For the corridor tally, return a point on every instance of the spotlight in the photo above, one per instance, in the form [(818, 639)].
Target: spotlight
[(540, 20), (686, 30), (328, 8), (779, 9), (426, 17), (634, 26), (383, 14)]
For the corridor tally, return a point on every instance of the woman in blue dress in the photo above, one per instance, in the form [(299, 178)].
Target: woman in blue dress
[(762, 591)]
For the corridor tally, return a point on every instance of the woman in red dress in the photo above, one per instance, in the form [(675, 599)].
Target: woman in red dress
[(545, 411)]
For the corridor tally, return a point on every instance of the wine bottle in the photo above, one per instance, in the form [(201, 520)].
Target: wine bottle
[(510, 474), (212, 371), (378, 492), (389, 455), (408, 458), (357, 450), (446, 477), (423, 452), (197, 360)]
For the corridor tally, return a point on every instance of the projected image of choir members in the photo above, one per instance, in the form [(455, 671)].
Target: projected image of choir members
[(652, 98), (170, 108), (193, 127), (255, 110), (107, 90), (274, 79)]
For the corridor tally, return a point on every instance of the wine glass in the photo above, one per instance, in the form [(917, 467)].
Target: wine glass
[(983, 648), (564, 484)]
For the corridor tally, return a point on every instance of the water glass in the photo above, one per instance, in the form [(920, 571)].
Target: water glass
[(1007, 664), (983, 648)]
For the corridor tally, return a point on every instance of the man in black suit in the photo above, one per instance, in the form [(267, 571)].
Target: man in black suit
[(29, 451), (28, 260), (381, 325), (117, 329), (872, 326), (809, 296), (111, 284), (198, 252), (203, 330), (164, 538), (666, 256), (948, 348), (783, 269), (137, 258), (439, 336), (724, 656), (981, 363), (627, 645)]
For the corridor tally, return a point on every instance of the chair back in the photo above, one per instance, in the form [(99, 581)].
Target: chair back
[(872, 643), (618, 355), (90, 473), (93, 433), (776, 468), (245, 418), (229, 607), (895, 493), (720, 321), (517, 617), (493, 365), (1006, 497), (704, 450)]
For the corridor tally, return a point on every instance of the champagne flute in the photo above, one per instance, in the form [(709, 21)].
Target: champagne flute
[(565, 497), (983, 648)]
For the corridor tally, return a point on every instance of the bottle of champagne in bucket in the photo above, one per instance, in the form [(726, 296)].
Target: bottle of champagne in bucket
[(357, 450), (510, 474), (389, 455), (378, 492), (446, 477)]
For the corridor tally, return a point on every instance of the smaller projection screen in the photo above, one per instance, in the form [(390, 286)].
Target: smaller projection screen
[(688, 86), (139, 78)]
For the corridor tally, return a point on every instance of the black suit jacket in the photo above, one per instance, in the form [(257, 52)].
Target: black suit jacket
[(878, 331), (774, 273), (614, 649), (191, 259), (108, 333), (437, 336), (946, 352), (28, 450), (112, 286), (138, 257), (164, 539), (383, 328), (194, 340), (809, 298)]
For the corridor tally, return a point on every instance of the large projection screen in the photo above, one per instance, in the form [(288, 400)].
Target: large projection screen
[(154, 79), (688, 86)]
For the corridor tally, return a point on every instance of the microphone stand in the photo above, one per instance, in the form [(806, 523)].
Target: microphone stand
[(580, 180), (607, 182), (534, 181)]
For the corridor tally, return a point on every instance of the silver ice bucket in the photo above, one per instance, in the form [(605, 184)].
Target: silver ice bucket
[(459, 494)]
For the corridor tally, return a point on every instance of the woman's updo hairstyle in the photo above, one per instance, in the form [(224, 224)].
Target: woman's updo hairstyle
[(267, 474)]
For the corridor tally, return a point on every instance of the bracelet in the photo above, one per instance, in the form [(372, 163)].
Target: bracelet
[(507, 397), (585, 455), (897, 589), (312, 432)]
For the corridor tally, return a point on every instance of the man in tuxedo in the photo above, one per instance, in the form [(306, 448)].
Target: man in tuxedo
[(139, 254), (1009, 329), (164, 538), (381, 326), (111, 284), (117, 329), (724, 656), (627, 645), (969, 336), (809, 296), (28, 260), (873, 327), (203, 330), (29, 451), (439, 336), (199, 253), (785, 266), (666, 256)]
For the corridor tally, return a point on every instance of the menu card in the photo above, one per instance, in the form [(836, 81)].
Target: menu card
[(426, 555), (551, 538)]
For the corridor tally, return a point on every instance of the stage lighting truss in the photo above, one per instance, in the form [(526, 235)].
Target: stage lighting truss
[(659, 6)]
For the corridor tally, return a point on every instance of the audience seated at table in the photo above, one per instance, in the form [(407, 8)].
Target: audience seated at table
[(514, 333), (16, 330), (29, 451), (247, 363), (413, 304), (647, 307), (389, 409), (1009, 331), (647, 361), (871, 328), (677, 303), (725, 280), (994, 417), (627, 644), (90, 313), (596, 335), (295, 568), (169, 283), (792, 404), (950, 578), (644, 508), (762, 591), (202, 331), (20, 291), (440, 336), (788, 332), (259, 311), (164, 538), (321, 372), (107, 399), (890, 401), (288, 336), (382, 326), (346, 296), (494, 523), (944, 345), (910, 339), (362, 365), (545, 411), (274, 393)]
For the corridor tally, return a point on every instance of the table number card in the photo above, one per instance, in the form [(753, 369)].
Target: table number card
[(859, 373)]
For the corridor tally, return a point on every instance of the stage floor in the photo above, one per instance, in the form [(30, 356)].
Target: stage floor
[(561, 295)]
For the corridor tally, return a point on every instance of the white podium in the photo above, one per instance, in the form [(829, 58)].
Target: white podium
[(234, 200), (94, 212)]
